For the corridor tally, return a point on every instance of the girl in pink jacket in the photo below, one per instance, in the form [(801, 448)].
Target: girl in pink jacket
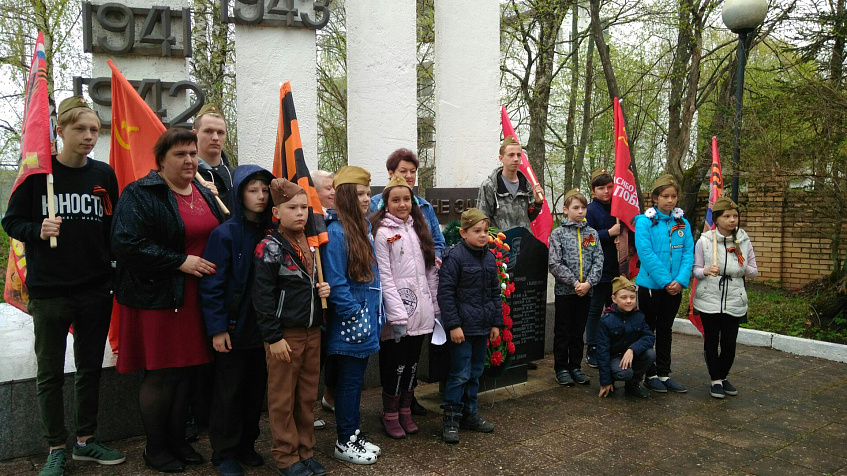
[(405, 254)]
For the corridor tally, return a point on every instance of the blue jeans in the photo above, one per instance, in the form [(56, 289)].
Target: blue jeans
[(467, 361), (601, 299), (635, 372), (348, 394)]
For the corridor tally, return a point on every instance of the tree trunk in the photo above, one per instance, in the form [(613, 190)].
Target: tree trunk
[(571, 173), (550, 17), (586, 106), (611, 81)]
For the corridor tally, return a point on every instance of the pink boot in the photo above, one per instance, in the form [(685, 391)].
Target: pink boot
[(406, 413), (390, 416)]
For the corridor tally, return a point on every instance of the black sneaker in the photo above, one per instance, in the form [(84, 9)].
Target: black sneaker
[(674, 386), (717, 391), (580, 377), (656, 385), (417, 408), (563, 377), (476, 423), (591, 359), (729, 389), (635, 389)]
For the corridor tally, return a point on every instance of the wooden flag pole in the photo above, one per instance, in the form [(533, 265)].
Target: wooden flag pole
[(220, 202), (618, 222), (51, 207), (715, 247), (320, 274)]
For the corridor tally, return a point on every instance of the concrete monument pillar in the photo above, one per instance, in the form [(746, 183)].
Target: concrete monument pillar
[(381, 83), (148, 44), (467, 91), (272, 46)]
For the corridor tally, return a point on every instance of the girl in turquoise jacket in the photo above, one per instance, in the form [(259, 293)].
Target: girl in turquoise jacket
[(666, 250)]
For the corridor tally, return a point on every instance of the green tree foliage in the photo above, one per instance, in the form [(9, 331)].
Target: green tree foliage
[(213, 65)]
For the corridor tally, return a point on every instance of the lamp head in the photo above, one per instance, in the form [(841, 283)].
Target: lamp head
[(744, 15)]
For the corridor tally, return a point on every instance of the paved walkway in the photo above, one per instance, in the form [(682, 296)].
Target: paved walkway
[(790, 418)]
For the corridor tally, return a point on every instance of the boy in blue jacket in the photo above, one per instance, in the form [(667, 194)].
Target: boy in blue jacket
[(240, 375), (599, 216), (471, 310), (624, 342)]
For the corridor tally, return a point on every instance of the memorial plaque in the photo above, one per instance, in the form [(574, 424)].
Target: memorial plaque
[(528, 270), (449, 203)]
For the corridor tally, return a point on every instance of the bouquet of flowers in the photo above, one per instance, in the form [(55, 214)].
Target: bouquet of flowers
[(501, 349)]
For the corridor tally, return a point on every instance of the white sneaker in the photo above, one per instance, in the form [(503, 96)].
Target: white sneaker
[(368, 444), (353, 451)]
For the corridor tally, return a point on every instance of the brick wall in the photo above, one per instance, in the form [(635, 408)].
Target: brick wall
[(791, 248)]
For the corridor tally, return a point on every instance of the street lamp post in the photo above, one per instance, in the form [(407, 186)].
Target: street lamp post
[(741, 17)]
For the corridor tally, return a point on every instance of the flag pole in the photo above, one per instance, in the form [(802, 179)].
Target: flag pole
[(220, 202), (320, 273), (715, 247), (51, 207)]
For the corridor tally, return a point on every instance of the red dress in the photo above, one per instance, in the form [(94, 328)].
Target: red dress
[(164, 338)]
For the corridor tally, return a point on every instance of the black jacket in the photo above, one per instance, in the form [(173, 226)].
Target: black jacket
[(469, 291), (148, 240), (284, 295), (599, 216), (617, 332)]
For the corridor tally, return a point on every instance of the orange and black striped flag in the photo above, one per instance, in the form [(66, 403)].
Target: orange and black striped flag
[(290, 163)]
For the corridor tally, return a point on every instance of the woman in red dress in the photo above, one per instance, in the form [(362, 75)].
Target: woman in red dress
[(161, 225)]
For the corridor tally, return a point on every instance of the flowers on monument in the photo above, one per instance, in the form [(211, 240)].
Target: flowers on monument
[(500, 348)]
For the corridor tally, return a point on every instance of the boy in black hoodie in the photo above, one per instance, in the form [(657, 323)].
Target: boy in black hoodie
[(624, 342), (599, 216), (71, 283), (239, 369)]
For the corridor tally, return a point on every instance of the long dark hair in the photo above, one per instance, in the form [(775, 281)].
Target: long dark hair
[(715, 216), (360, 255), (419, 224)]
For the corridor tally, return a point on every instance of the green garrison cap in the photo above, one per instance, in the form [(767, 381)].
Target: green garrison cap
[(471, 217)]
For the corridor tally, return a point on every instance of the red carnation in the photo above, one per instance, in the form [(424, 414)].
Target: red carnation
[(507, 322), (506, 309), (510, 347), (498, 255), (497, 358), (506, 258), (496, 342), (507, 335)]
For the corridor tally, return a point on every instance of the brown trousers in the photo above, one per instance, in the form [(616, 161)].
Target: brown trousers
[(292, 391)]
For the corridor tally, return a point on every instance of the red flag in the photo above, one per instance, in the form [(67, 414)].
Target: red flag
[(135, 130), (625, 197), (543, 223), (715, 192), (36, 158), (625, 205), (290, 164)]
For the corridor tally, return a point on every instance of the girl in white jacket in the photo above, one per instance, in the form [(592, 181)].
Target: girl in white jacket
[(405, 254), (721, 295)]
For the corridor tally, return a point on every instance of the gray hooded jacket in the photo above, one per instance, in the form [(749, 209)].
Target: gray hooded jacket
[(504, 210)]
